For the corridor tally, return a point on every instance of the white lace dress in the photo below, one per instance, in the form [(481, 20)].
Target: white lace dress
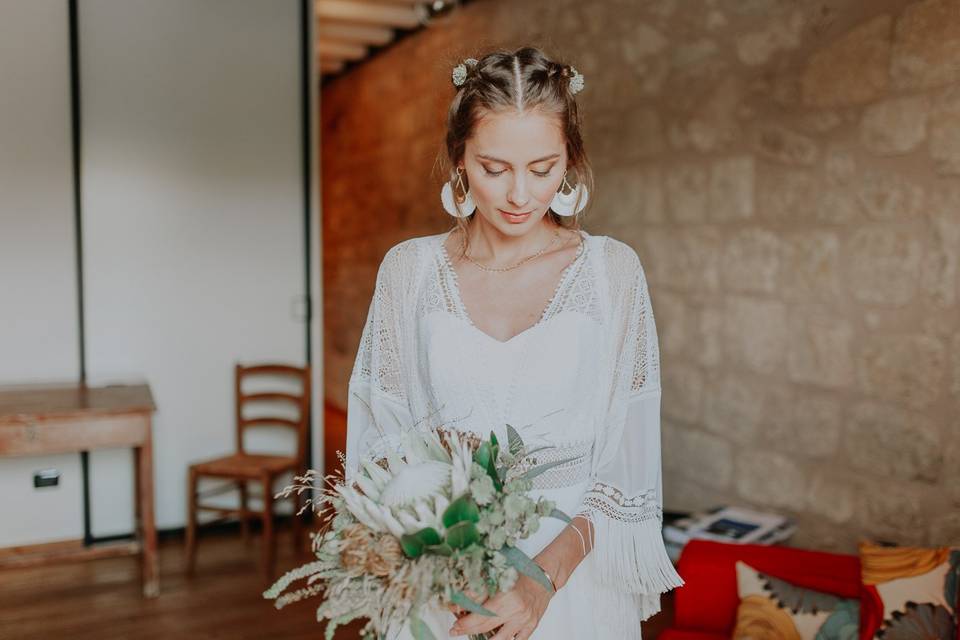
[(584, 378)]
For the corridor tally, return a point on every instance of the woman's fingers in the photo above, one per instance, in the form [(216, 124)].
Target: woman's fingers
[(475, 623), (507, 632)]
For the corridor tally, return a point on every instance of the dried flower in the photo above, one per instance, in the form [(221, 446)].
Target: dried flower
[(386, 558), (355, 548)]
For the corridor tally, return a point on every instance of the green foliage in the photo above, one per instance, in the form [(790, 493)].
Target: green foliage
[(462, 535), (522, 563), (413, 544), (462, 509)]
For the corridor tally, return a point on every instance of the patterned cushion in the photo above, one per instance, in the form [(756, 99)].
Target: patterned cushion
[(912, 590), (774, 609)]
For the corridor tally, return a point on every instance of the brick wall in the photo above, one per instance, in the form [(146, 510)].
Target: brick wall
[(789, 174)]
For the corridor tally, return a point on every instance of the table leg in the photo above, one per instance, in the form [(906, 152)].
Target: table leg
[(147, 525)]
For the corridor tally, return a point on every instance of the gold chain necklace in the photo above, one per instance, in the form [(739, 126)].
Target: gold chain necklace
[(463, 244)]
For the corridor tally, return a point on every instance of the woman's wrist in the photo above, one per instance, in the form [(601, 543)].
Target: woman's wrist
[(553, 582)]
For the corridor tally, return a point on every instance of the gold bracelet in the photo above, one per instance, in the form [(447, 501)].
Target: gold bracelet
[(552, 583)]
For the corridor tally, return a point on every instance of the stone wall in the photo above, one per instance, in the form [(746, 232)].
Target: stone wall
[(789, 173)]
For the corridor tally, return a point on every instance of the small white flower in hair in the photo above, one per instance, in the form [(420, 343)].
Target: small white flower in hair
[(459, 74), (460, 71), (576, 80)]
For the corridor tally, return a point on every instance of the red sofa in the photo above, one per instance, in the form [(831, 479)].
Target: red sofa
[(705, 608)]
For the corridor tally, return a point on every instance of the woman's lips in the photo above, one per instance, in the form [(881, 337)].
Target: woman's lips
[(514, 217)]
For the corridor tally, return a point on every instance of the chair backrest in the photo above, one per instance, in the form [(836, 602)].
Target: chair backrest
[(300, 401)]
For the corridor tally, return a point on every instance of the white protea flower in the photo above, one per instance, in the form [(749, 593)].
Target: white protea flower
[(411, 524), (377, 473), (368, 486), (389, 520), (415, 482), (462, 461), (357, 505), (420, 446)]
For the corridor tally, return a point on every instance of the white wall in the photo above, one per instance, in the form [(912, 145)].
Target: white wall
[(193, 220), (38, 292)]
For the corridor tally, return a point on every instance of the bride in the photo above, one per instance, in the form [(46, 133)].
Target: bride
[(518, 316)]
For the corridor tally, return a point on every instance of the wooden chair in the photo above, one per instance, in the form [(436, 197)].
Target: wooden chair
[(244, 467)]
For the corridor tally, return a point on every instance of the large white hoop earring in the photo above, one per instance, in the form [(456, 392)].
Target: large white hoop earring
[(447, 196), (565, 204)]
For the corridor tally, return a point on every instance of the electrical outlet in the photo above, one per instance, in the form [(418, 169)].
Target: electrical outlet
[(46, 478)]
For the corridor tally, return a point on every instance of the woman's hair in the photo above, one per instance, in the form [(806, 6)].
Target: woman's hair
[(522, 80)]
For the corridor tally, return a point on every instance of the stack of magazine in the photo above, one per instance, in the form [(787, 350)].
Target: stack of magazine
[(726, 524)]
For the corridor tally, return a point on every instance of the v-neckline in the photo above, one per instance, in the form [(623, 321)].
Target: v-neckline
[(458, 298)]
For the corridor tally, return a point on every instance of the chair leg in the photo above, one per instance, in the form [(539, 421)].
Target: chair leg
[(268, 541), (191, 521), (244, 520), (297, 526)]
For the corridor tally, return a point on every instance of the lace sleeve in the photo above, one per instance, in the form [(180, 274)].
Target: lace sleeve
[(377, 406), (625, 502)]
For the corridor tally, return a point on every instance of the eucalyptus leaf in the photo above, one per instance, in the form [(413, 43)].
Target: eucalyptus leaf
[(482, 455), (540, 468), (419, 629), (463, 601), (560, 515), (442, 549), (463, 509), (494, 475), (522, 563), (462, 535), (428, 536), (539, 449), (413, 544)]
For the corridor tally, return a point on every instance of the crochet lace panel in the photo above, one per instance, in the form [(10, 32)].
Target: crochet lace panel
[(614, 504), (628, 285), (384, 320)]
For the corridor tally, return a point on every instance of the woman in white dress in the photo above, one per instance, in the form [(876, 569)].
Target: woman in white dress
[(528, 320)]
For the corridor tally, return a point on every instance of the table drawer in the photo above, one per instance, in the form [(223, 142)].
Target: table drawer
[(26, 435)]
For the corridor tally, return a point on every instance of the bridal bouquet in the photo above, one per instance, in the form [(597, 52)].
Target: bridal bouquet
[(432, 523)]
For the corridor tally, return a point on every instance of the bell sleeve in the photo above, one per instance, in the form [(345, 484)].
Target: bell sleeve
[(377, 406), (624, 502)]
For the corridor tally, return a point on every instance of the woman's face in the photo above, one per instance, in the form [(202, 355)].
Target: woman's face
[(515, 164)]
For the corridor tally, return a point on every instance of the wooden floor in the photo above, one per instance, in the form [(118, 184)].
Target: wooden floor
[(101, 599)]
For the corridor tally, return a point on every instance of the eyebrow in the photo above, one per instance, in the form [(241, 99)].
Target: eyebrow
[(491, 158)]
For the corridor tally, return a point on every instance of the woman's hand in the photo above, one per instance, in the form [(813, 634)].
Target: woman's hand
[(518, 610)]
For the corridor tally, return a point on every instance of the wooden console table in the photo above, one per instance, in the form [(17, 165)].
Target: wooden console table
[(48, 419)]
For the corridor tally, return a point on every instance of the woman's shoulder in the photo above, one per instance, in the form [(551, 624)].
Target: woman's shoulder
[(406, 251), (403, 259), (618, 255)]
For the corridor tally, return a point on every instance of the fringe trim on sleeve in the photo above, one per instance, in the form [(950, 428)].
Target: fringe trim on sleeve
[(628, 550)]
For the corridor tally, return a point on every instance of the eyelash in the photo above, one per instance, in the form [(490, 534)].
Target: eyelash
[(543, 174)]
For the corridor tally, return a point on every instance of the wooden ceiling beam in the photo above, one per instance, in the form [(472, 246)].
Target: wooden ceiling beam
[(331, 66), (358, 33), (340, 50), (384, 15)]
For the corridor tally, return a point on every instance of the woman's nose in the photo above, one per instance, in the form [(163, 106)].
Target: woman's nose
[(518, 195)]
